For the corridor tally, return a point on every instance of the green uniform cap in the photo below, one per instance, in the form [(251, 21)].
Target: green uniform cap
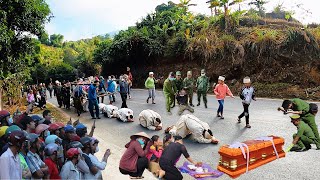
[(189, 72), (178, 73), (295, 117), (203, 71)]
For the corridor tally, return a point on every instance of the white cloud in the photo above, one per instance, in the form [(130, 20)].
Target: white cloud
[(77, 19)]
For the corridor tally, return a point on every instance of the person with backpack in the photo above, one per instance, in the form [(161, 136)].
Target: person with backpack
[(221, 90), (306, 111)]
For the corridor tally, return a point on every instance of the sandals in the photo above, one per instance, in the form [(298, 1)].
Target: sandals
[(239, 120)]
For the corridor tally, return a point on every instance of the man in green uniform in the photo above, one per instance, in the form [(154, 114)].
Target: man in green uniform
[(303, 139), (302, 108), (202, 87), (179, 84), (169, 90), (188, 83)]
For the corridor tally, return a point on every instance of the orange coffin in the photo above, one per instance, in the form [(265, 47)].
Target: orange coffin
[(233, 163)]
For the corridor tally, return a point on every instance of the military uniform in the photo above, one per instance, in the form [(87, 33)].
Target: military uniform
[(169, 90), (202, 89), (306, 136), (59, 95), (307, 117), (189, 84)]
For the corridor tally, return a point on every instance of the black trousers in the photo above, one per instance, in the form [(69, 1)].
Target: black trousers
[(142, 164), (66, 101), (172, 173), (245, 112), (42, 101), (124, 97), (78, 105)]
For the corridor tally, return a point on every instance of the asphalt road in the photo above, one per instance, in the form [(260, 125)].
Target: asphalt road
[(264, 119)]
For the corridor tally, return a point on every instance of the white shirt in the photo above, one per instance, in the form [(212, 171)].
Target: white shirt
[(147, 119), (109, 109), (123, 113), (69, 171), (10, 166)]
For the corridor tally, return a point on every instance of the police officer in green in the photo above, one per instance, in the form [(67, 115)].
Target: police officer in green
[(188, 83), (202, 87), (307, 114), (179, 84), (169, 90), (303, 139)]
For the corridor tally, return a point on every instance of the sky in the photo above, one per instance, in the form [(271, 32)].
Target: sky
[(79, 19)]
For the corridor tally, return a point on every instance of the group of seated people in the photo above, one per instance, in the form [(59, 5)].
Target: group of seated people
[(35, 147)]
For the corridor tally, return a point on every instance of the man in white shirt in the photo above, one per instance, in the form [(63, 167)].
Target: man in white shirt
[(108, 110), (190, 124), (9, 161), (125, 115), (150, 119)]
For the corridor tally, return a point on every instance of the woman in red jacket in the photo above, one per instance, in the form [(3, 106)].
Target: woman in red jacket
[(133, 162)]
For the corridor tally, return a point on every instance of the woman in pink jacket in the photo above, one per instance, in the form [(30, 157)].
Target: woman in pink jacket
[(221, 91)]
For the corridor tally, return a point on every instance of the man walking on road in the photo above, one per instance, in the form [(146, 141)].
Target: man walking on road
[(188, 83), (93, 102), (202, 88), (169, 90)]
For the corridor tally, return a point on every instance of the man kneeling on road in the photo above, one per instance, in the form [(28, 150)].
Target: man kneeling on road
[(124, 114), (303, 139), (189, 124), (108, 111), (150, 119)]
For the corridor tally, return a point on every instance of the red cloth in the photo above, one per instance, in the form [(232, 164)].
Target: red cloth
[(153, 151), (53, 169), (130, 76), (129, 159)]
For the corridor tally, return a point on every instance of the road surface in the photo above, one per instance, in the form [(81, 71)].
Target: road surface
[(264, 119)]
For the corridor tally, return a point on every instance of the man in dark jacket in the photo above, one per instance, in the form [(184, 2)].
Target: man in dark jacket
[(124, 86)]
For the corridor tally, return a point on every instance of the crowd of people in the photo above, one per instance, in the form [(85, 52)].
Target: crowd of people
[(35, 147)]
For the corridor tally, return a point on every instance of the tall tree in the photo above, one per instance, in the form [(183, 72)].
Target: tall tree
[(260, 6), (56, 40)]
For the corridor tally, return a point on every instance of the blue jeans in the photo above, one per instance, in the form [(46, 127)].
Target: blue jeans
[(93, 104), (221, 103)]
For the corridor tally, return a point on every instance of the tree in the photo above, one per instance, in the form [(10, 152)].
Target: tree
[(213, 4), (56, 40), (19, 20), (260, 6)]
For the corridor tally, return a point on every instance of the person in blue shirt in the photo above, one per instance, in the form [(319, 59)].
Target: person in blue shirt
[(93, 101), (111, 89), (102, 89)]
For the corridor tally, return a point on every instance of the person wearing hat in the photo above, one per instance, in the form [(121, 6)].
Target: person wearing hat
[(78, 93), (221, 91), (203, 86), (10, 161), (179, 84), (3, 137), (150, 119), (93, 101), (190, 125), (307, 112), (150, 85), (26, 173), (247, 94), (69, 169), (133, 162), (188, 83), (170, 157), (69, 133), (182, 99), (5, 119), (304, 137), (37, 167), (51, 152), (87, 150), (169, 90)]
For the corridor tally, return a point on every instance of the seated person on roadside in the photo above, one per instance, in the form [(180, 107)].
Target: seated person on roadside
[(108, 110), (150, 119), (303, 139), (125, 115), (155, 150), (171, 156), (190, 124), (133, 162), (182, 99)]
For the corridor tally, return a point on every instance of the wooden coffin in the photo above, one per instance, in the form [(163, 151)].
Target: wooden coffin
[(233, 163)]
